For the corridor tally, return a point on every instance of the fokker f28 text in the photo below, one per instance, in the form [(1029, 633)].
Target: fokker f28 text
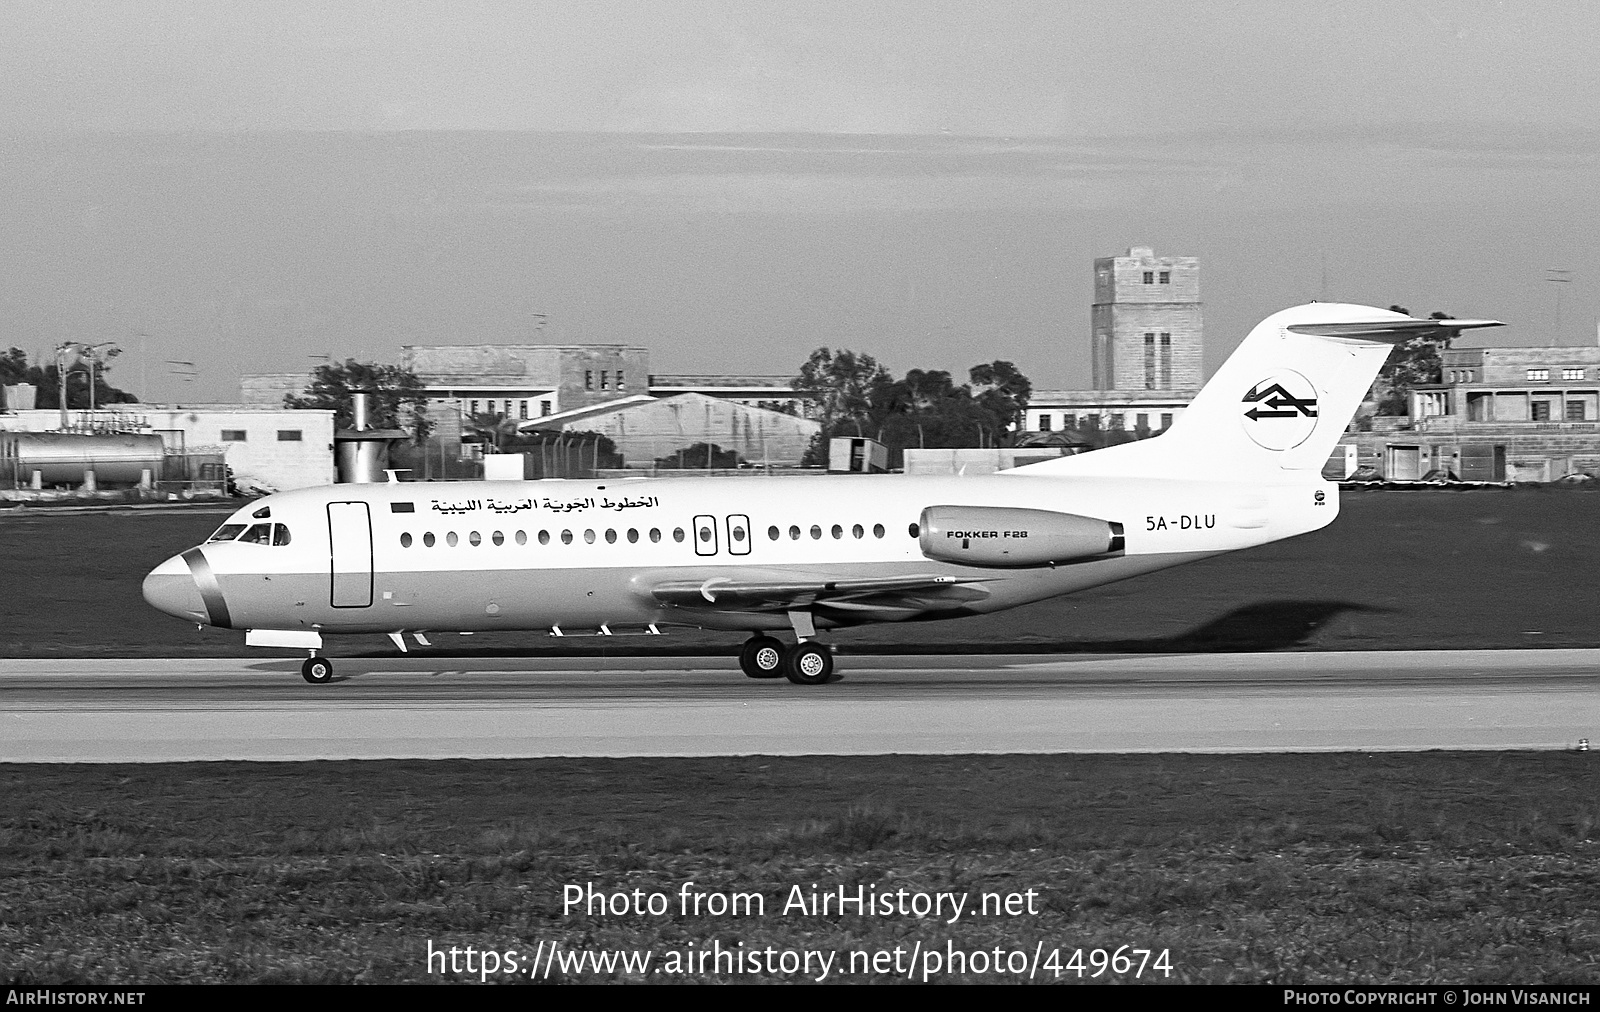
[(1241, 467)]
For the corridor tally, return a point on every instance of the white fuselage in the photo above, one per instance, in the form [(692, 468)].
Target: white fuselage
[(589, 555)]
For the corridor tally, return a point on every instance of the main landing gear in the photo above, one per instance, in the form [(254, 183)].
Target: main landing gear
[(805, 663), (317, 670)]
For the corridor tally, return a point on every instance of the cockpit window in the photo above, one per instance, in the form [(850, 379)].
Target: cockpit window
[(280, 534), (258, 534), (227, 532)]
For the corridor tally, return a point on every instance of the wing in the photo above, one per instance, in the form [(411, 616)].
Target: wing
[(910, 593)]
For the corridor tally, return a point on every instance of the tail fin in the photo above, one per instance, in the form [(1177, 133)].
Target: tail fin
[(1279, 403)]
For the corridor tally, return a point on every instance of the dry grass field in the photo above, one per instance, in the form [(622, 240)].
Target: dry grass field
[(1444, 867)]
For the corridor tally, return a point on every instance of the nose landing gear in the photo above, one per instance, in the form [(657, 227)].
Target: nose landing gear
[(317, 670)]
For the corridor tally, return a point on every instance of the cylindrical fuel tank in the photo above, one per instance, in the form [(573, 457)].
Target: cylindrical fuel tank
[(1006, 537), (64, 457)]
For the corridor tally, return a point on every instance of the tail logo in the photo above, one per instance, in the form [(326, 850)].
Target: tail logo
[(1280, 411)]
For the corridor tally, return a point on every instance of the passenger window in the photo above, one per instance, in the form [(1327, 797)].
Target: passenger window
[(838, 532), (522, 538), (405, 541), (544, 537), (588, 537), (773, 533), (914, 530), (611, 536), (566, 537), (738, 533), (633, 536), (794, 533), (705, 534), (427, 539), (227, 532), (856, 531), (655, 535), (677, 534), (498, 539), (258, 534), (816, 533), (474, 539), (451, 539), (877, 530)]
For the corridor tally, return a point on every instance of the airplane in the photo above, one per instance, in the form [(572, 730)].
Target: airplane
[(1240, 467)]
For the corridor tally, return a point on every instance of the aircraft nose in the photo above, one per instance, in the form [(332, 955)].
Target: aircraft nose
[(170, 587)]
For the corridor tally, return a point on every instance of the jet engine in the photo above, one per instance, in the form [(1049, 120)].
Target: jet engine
[(1008, 538)]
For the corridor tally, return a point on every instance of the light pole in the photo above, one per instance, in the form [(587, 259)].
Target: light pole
[(92, 353), (61, 375), (1558, 277)]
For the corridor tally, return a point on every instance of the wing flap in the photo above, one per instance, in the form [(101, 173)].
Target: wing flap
[(734, 594)]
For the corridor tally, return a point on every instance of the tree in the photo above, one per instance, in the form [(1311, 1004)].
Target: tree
[(844, 389), (562, 453), (494, 429), (1414, 362), (1002, 394), (852, 395), (700, 455), (14, 368), (397, 401)]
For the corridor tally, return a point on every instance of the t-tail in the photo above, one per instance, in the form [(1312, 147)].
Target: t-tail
[(1279, 403)]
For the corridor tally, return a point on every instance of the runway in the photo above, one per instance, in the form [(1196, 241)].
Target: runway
[(421, 707)]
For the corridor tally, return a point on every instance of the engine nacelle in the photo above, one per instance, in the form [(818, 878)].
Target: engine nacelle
[(1006, 538)]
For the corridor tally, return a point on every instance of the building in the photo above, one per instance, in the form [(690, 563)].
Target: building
[(1146, 336), (270, 449), (772, 392), (1539, 405), (646, 429), (526, 383)]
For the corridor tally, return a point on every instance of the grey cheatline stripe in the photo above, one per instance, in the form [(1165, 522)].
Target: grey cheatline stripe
[(210, 592)]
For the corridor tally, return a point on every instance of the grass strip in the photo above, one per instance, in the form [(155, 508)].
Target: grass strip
[(1346, 868)]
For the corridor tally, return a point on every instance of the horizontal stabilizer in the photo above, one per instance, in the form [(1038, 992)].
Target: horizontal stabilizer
[(1391, 331)]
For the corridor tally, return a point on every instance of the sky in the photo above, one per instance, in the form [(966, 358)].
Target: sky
[(247, 187)]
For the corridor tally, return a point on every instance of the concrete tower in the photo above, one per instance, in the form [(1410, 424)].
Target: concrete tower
[(1145, 329)]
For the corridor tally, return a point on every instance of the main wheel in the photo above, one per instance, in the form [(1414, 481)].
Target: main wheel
[(762, 657), (808, 664), (317, 670)]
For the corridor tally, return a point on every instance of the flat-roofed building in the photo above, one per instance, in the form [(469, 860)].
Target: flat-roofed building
[(270, 449), (1146, 336)]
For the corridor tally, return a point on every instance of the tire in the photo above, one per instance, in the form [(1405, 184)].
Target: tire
[(762, 657), (808, 664), (317, 670)]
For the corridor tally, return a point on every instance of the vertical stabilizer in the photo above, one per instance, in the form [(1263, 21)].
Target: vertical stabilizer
[(1278, 404)]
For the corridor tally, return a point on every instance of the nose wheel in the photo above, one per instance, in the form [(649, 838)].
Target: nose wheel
[(317, 670)]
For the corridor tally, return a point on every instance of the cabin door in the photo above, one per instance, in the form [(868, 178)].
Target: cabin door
[(705, 535), (350, 554)]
